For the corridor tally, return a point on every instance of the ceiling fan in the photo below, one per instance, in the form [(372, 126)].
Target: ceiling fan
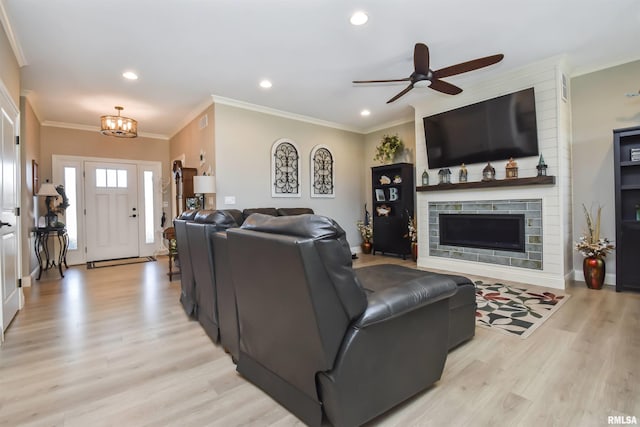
[(422, 72)]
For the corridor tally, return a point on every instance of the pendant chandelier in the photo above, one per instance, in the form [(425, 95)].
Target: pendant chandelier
[(121, 127)]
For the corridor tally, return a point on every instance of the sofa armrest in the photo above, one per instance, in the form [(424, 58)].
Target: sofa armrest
[(408, 296)]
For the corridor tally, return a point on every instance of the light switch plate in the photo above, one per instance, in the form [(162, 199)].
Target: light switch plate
[(229, 200)]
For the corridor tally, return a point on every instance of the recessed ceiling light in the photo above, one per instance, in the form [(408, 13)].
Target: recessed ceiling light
[(130, 75), (359, 18), (365, 113), (266, 84)]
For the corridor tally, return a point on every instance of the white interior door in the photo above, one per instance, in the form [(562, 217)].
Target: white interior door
[(112, 214), (9, 290)]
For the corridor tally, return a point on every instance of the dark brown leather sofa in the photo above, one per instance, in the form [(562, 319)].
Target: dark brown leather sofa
[(207, 293), (331, 345)]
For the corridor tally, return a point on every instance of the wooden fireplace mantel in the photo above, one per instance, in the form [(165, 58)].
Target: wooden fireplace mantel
[(512, 182)]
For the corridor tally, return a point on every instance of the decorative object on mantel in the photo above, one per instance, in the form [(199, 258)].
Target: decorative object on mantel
[(595, 249), (444, 176), (511, 169), (383, 210), (385, 180), (118, 126), (366, 231), (425, 178), (388, 148), (542, 166), (397, 179), (462, 175), (488, 173)]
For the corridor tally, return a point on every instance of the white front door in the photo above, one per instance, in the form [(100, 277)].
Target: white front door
[(112, 214), (9, 290)]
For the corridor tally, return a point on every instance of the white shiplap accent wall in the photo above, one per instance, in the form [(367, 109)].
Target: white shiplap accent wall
[(553, 120)]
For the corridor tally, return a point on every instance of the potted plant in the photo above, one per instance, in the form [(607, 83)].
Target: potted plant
[(412, 234), (366, 231), (595, 249), (388, 148)]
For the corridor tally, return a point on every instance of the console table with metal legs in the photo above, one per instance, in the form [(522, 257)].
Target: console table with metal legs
[(46, 259)]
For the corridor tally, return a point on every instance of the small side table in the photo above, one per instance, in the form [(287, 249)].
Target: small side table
[(169, 234), (43, 234)]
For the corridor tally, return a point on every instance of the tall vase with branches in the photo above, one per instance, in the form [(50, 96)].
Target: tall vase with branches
[(595, 249)]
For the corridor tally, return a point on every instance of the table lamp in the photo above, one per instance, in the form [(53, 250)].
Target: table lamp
[(204, 184), (49, 191)]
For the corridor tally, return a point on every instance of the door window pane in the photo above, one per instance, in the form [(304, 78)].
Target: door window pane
[(122, 178), (111, 178), (148, 207), (101, 178), (71, 214)]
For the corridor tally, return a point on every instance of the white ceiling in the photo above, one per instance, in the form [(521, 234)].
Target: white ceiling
[(187, 50)]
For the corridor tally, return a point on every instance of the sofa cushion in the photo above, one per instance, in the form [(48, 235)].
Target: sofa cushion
[(188, 215), (310, 226), (294, 211), (265, 211)]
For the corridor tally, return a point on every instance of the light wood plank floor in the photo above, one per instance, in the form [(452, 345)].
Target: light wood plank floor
[(112, 346)]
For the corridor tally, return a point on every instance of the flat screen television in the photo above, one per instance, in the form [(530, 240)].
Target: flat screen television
[(495, 129)]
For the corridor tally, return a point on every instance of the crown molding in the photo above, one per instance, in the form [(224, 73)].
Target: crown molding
[(13, 40), (76, 126), (390, 124), (29, 96), (285, 114), (190, 117)]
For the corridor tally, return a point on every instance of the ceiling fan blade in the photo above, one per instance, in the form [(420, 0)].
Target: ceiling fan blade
[(467, 66), (444, 87), (407, 89), (421, 59), (382, 81)]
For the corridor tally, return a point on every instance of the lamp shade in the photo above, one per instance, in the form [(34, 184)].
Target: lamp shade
[(48, 189), (204, 184)]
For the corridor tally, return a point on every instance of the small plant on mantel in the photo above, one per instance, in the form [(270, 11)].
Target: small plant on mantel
[(388, 148)]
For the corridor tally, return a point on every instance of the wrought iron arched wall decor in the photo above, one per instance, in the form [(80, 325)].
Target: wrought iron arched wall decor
[(322, 172), (285, 169)]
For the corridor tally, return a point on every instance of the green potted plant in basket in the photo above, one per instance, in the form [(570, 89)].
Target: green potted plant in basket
[(388, 148), (595, 249)]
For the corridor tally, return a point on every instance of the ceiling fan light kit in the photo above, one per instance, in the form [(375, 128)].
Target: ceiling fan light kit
[(118, 126), (423, 76)]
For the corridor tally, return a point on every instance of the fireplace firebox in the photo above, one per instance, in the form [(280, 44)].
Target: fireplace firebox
[(487, 231)]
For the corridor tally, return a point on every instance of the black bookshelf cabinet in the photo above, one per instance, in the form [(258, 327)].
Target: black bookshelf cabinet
[(627, 194), (393, 194)]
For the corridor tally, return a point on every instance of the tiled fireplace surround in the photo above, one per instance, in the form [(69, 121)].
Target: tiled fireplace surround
[(531, 208)]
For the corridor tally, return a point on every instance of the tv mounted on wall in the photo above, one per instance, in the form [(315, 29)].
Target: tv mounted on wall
[(495, 129)]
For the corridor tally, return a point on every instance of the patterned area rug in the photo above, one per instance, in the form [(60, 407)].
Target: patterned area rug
[(513, 310)]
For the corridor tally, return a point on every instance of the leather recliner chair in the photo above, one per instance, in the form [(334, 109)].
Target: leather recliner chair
[(314, 339)]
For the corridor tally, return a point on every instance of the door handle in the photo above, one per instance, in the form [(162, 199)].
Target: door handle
[(3, 224)]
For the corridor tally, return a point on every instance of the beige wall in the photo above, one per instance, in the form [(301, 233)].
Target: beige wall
[(598, 107), (73, 142), (243, 164), (30, 151), (406, 132), (191, 140), (9, 69)]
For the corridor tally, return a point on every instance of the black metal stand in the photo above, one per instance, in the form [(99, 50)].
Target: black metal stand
[(42, 247)]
